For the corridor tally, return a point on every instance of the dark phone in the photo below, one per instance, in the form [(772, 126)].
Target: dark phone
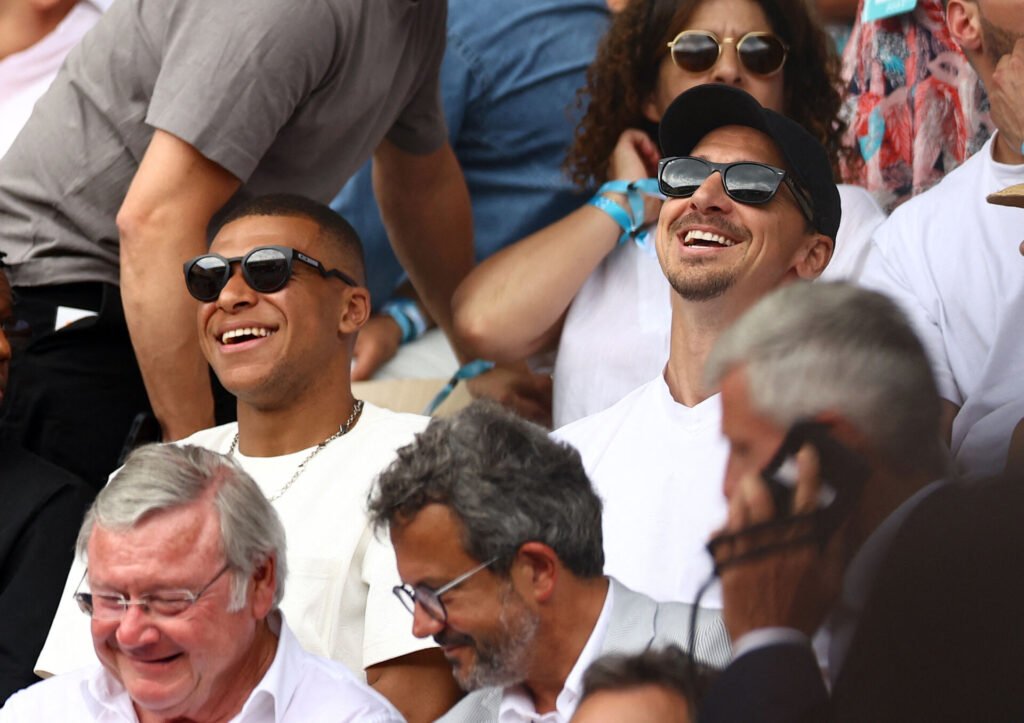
[(842, 471)]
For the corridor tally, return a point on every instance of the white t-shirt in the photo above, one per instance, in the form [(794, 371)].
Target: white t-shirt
[(25, 75), (340, 575), (953, 263), (297, 688), (616, 333), (658, 467)]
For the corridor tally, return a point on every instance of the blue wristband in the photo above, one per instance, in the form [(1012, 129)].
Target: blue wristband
[(467, 371), (630, 222), (406, 314), (1022, 148)]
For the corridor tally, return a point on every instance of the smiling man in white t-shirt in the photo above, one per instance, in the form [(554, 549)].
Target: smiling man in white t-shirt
[(657, 458)]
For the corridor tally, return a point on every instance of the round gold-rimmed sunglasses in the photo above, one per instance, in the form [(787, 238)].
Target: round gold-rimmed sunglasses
[(760, 52)]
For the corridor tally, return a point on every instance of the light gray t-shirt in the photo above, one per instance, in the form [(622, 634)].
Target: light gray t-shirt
[(286, 95)]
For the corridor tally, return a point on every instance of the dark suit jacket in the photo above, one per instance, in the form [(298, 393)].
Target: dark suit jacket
[(940, 639), (41, 509)]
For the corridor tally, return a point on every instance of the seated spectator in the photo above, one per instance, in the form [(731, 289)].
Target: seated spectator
[(655, 686), (486, 511), (509, 73), (953, 263), (162, 118), (604, 306), (916, 108), (39, 519), (916, 587), (284, 350), (34, 38), (176, 637), (655, 457)]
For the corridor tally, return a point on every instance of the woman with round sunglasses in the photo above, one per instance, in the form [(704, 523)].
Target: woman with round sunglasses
[(590, 285)]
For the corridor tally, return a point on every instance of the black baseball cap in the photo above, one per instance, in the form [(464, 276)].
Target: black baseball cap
[(702, 109)]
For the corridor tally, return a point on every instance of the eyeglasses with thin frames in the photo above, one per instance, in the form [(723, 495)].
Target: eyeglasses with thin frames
[(429, 598), (162, 604)]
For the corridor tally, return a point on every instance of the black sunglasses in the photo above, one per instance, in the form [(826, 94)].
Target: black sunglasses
[(266, 269), (696, 51), (744, 181)]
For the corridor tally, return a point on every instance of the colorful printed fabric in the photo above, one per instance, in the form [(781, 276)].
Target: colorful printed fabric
[(914, 105)]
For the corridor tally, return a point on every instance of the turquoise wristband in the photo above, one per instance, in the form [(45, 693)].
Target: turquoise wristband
[(467, 371), (631, 222), (406, 314), (1022, 148)]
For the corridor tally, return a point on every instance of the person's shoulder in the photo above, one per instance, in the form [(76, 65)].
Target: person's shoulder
[(213, 438), (24, 476), (478, 706), (951, 195), (328, 690), (396, 423), (62, 695), (607, 419)]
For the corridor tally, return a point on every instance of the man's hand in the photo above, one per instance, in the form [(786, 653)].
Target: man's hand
[(515, 386), (1006, 95), (378, 341), (636, 156), (792, 587)]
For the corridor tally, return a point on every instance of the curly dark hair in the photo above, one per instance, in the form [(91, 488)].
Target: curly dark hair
[(625, 72)]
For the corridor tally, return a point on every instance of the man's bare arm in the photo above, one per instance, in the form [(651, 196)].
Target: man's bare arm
[(424, 204), (419, 684), (163, 223)]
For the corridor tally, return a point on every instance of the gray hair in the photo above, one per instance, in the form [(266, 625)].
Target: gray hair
[(809, 348), (162, 477), (506, 481)]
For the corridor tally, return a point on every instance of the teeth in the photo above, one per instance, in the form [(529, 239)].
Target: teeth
[(227, 336), (695, 236)]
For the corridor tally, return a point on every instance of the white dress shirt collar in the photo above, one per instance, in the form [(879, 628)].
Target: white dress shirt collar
[(517, 703)]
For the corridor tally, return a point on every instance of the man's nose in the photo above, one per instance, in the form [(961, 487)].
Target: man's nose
[(136, 628), (424, 624), (711, 195), (728, 68), (236, 291)]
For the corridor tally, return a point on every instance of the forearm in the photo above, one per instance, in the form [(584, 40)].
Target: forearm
[(425, 207), (162, 224), (513, 303), (161, 319), (419, 684)]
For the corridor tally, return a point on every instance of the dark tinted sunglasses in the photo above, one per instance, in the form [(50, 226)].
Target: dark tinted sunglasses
[(266, 269), (744, 181), (760, 52)]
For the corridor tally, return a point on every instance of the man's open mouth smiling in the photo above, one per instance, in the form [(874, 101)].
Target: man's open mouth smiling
[(246, 333)]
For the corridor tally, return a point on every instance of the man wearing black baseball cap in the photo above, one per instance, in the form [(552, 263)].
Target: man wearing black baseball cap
[(751, 204)]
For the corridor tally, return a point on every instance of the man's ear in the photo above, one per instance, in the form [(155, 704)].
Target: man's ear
[(964, 23), (816, 253), (536, 568), (356, 311), (845, 432), (264, 585)]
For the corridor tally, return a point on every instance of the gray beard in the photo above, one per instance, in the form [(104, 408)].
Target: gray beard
[(502, 662), (705, 288)]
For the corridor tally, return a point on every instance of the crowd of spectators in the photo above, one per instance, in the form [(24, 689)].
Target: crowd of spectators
[(739, 315)]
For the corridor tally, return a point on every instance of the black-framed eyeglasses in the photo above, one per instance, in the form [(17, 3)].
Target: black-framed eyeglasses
[(744, 181), (762, 53), (163, 603), (429, 598), (266, 269)]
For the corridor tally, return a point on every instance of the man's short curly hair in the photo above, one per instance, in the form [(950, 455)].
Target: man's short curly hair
[(506, 482), (625, 74)]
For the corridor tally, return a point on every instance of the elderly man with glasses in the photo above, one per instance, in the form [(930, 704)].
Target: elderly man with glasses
[(186, 572), (497, 532), (280, 300)]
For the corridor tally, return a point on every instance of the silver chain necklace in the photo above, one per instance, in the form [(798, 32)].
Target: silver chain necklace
[(349, 423)]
